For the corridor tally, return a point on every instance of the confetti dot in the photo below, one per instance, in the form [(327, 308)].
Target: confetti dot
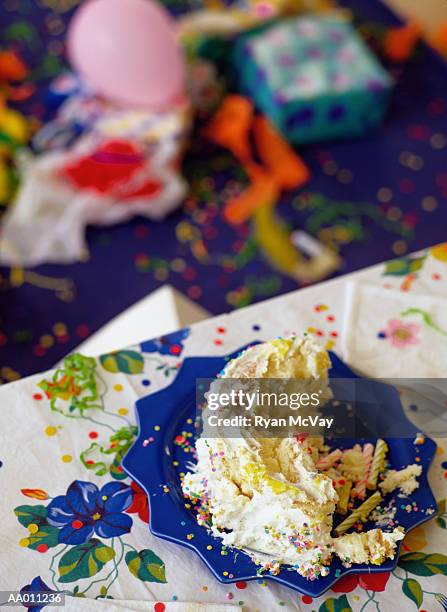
[(24, 542), (93, 435), (204, 588), (50, 430), (330, 168), (145, 382), (438, 141), (37, 396), (118, 387), (229, 595), (46, 341), (189, 274), (225, 573), (42, 548), (418, 132), (444, 465), (63, 338), (59, 329), (406, 186), (178, 264), (194, 292), (399, 247), (241, 585), (429, 204), (33, 528), (345, 176), (218, 341), (435, 108), (1, 464), (123, 411), (384, 195), (159, 607), (66, 458), (306, 599), (394, 213), (221, 330), (410, 160), (82, 330)]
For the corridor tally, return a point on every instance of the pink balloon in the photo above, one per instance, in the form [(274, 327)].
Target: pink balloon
[(127, 51)]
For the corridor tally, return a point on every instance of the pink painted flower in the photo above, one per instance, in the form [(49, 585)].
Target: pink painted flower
[(402, 334)]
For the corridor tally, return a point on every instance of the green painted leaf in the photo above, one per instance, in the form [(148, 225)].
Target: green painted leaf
[(146, 566), (412, 589), (84, 560), (421, 564), (27, 515), (416, 263), (129, 362), (335, 605), (47, 535), (441, 522), (441, 506), (397, 267), (403, 266)]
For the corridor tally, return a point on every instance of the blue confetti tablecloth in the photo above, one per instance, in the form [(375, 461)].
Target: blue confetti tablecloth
[(382, 195)]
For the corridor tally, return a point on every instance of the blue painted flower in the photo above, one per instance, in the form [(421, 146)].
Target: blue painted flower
[(85, 510), (171, 344), (37, 586)]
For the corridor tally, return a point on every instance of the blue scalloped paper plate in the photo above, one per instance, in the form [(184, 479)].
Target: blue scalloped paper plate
[(166, 418)]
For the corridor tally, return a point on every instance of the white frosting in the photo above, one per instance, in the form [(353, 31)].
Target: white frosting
[(266, 496)]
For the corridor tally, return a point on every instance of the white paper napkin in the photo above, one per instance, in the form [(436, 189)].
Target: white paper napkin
[(80, 604), (384, 329)]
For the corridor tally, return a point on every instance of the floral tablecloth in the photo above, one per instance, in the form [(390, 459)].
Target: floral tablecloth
[(71, 518)]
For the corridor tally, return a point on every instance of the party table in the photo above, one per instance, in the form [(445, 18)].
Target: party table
[(64, 433), (382, 196)]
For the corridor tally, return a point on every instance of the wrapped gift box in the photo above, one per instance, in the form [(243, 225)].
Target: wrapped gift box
[(314, 78)]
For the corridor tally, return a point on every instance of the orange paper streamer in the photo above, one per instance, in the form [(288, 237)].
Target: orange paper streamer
[(400, 42), (282, 168), (283, 164)]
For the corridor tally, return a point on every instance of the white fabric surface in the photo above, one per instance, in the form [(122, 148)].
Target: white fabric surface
[(80, 604), (34, 460), (369, 311)]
